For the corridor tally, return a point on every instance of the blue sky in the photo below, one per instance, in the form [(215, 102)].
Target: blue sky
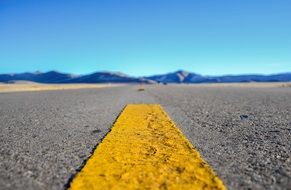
[(144, 37)]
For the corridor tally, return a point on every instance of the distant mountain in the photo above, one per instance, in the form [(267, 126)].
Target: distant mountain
[(57, 77), (176, 77), (187, 77), (49, 77), (108, 77), (116, 77)]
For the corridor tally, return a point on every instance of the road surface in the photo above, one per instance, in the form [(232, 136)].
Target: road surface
[(242, 132)]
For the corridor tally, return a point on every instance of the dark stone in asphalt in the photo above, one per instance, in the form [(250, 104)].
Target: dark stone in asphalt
[(96, 131), (242, 117)]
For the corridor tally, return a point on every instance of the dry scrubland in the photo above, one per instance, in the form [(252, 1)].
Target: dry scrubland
[(41, 87), (30, 86)]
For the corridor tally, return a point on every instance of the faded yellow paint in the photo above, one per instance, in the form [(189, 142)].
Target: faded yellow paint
[(145, 150)]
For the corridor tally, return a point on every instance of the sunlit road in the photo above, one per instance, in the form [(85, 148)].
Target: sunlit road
[(243, 133)]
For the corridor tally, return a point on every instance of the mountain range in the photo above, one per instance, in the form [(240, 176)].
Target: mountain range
[(117, 77)]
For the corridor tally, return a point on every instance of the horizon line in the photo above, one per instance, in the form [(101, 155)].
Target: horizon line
[(137, 76)]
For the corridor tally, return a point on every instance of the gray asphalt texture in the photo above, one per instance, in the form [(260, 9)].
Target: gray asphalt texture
[(243, 133)]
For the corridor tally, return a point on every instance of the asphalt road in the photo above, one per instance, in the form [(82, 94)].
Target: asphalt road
[(243, 133)]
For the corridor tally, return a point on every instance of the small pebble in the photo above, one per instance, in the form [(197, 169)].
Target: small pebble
[(96, 131), (242, 117)]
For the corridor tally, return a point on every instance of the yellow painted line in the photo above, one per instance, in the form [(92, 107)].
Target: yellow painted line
[(145, 150)]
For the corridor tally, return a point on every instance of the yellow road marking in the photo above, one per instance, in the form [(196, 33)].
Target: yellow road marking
[(145, 150)]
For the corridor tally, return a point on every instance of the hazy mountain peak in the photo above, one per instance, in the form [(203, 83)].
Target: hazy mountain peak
[(38, 72), (182, 73), (53, 72), (120, 74)]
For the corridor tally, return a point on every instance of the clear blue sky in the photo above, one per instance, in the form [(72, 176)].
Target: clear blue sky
[(143, 37)]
